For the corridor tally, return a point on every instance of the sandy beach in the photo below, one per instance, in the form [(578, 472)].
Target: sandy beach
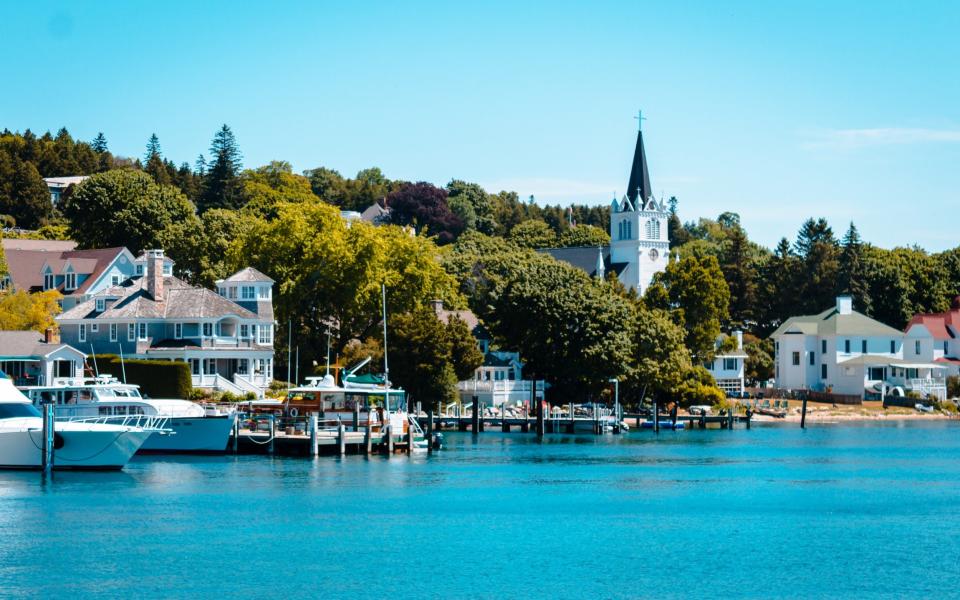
[(868, 411)]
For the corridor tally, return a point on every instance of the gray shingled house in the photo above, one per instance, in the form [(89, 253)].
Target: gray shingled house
[(225, 336)]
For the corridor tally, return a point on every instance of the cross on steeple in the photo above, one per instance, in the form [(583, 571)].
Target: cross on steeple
[(638, 188), (640, 119)]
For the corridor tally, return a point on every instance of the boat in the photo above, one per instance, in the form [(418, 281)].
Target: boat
[(668, 424), (195, 428), (98, 443)]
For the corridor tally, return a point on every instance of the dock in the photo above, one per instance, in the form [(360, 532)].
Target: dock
[(311, 437)]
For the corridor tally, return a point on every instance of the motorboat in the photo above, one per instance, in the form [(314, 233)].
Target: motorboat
[(93, 443), (194, 428)]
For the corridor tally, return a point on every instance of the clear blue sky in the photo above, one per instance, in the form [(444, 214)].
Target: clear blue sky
[(774, 110)]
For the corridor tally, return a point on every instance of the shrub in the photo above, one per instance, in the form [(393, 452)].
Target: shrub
[(156, 378), (953, 386)]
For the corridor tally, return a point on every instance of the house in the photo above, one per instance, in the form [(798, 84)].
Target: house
[(727, 367), (377, 213), (842, 351), (933, 337), (640, 245), (225, 336), (59, 185), (499, 380), (32, 358), (38, 265)]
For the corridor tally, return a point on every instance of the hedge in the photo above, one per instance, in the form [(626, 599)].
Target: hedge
[(156, 378)]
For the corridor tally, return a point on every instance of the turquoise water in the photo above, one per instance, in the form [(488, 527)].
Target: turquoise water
[(855, 510)]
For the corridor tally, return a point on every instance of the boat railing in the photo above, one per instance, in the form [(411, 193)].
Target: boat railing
[(145, 422)]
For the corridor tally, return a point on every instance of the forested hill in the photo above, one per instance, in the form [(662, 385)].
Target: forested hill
[(194, 208)]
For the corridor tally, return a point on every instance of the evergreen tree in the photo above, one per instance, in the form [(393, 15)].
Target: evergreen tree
[(741, 275), (99, 143), (153, 148), (155, 165), (221, 183), (819, 255), (853, 271), (777, 294), (200, 167)]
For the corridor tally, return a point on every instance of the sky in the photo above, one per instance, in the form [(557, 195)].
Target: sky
[(778, 111)]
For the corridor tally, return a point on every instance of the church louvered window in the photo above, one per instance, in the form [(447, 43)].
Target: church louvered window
[(653, 229)]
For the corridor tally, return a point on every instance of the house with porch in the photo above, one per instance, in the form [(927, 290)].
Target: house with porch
[(31, 358), (225, 336), (935, 337), (499, 380), (842, 351)]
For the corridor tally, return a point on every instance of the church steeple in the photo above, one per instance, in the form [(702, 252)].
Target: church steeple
[(639, 176)]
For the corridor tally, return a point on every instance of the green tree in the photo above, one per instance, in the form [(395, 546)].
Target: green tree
[(200, 249), (819, 262), (328, 185), (421, 357), (853, 271), (153, 162), (758, 366), (23, 193), (465, 355), (99, 144), (741, 275), (472, 204), (699, 301), (22, 311), (584, 235), (661, 360), (533, 234), (266, 187), (126, 208), (221, 180)]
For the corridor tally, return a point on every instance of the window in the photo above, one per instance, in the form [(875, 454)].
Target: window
[(244, 331), (210, 366), (264, 293), (893, 347), (177, 331), (94, 327), (916, 347), (813, 358), (49, 281), (266, 335), (846, 346), (269, 368), (945, 347), (796, 359), (875, 374), (823, 371), (82, 336), (823, 346), (139, 269), (141, 331), (653, 229), (222, 291), (208, 330), (113, 332), (131, 332), (729, 364), (195, 366), (249, 292), (242, 366), (115, 280), (70, 283), (101, 305), (863, 346), (167, 269), (232, 292)]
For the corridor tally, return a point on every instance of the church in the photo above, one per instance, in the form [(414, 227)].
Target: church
[(639, 244)]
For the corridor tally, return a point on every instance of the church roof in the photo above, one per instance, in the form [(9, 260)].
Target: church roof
[(585, 258), (639, 175)]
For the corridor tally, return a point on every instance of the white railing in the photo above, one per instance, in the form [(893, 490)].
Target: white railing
[(504, 385), (244, 382), (145, 422)]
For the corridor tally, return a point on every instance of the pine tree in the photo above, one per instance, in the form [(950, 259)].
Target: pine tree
[(200, 167), (778, 299), (741, 275), (221, 183), (99, 143), (853, 271), (153, 148), (154, 162), (819, 254)]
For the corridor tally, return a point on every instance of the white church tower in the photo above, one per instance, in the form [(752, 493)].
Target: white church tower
[(638, 227)]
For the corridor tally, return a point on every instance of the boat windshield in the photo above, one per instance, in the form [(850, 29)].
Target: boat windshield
[(14, 410), (118, 393)]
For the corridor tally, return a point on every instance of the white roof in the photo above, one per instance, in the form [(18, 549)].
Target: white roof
[(64, 181)]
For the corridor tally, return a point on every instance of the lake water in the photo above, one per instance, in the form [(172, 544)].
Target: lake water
[(864, 510)]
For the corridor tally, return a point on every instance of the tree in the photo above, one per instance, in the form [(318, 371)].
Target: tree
[(266, 187), (126, 208), (819, 259), (852, 279), (421, 355), (424, 207), (741, 275), (355, 351), (99, 144), (533, 235), (153, 148), (584, 235), (327, 184), (465, 355), (699, 301), (153, 162), (660, 359), (22, 311), (221, 179), (23, 193), (472, 204), (200, 249), (777, 292), (758, 366)]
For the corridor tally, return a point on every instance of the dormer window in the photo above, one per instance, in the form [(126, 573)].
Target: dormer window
[(222, 291), (49, 281), (139, 269), (264, 293), (167, 269), (177, 331), (249, 292), (232, 292), (114, 280), (70, 282), (101, 304)]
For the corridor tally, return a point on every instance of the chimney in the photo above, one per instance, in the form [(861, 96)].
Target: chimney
[(51, 336), (437, 306), (154, 274), (739, 335), (844, 305)]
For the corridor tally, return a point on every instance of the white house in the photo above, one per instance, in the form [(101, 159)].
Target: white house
[(58, 185), (728, 368), (842, 351), (31, 358), (935, 337), (226, 337), (499, 380), (639, 244)]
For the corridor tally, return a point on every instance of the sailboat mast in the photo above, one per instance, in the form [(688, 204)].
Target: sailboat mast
[(386, 367)]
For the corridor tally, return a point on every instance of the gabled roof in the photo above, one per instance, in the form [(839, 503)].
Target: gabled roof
[(375, 213), (248, 274), (181, 301), (64, 181), (585, 258), (942, 326), (27, 344), (831, 322), (26, 265), (40, 245)]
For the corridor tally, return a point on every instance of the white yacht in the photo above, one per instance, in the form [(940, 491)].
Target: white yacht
[(194, 428), (81, 444)]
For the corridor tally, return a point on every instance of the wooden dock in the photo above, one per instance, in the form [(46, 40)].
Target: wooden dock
[(309, 439)]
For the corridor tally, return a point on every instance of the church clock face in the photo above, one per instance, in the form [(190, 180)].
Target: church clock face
[(654, 255)]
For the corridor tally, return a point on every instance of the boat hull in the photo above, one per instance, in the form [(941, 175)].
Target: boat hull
[(192, 435), (84, 446)]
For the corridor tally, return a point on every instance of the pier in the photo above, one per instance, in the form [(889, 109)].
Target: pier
[(312, 437)]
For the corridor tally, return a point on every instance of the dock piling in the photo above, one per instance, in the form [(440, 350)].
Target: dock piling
[(410, 438), (236, 434), (356, 417), (475, 416), (313, 434), (656, 416), (368, 438), (803, 414), (341, 438), (389, 439), (430, 430), (271, 447)]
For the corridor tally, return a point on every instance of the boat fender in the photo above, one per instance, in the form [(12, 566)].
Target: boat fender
[(58, 441), (294, 412)]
